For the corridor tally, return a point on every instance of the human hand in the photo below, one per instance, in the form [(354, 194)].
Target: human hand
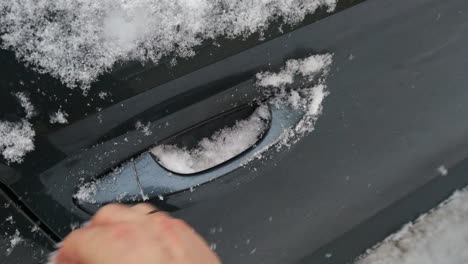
[(123, 234)]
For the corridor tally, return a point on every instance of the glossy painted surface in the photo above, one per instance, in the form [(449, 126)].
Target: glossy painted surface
[(396, 112)]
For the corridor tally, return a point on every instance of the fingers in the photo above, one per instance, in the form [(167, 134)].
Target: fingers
[(124, 234), (144, 208), (113, 213), (116, 213), (81, 245)]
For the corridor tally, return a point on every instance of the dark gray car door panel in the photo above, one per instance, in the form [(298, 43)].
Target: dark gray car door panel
[(396, 112)]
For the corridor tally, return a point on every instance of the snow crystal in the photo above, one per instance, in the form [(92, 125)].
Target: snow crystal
[(306, 95), (441, 236), (15, 239), (76, 41), (220, 147), (59, 117), (16, 140), (26, 104)]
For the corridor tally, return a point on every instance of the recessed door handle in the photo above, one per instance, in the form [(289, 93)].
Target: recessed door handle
[(145, 179)]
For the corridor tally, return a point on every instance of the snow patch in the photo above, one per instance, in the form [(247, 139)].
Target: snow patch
[(145, 129), (87, 192), (15, 240), (301, 86), (76, 41), (58, 117), (10, 220), (220, 147), (440, 236), (16, 140), (103, 95), (442, 170)]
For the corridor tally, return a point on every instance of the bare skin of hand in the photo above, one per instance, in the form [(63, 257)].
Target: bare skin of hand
[(120, 234)]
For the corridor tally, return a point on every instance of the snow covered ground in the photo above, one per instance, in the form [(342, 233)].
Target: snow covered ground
[(76, 41), (438, 237)]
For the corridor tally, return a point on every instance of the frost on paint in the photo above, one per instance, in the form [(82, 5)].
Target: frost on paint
[(58, 117), (301, 86), (16, 140), (220, 147), (441, 236), (76, 41)]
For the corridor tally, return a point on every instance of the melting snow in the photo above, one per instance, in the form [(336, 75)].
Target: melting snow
[(16, 140), (441, 236), (59, 117), (220, 147), (76, 41)]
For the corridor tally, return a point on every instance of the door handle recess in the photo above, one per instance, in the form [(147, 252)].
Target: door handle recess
[(148, 178)]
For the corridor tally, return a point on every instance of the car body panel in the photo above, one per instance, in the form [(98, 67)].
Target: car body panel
[(395, 113), (22, 239)]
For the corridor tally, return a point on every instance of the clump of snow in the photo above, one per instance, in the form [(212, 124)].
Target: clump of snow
[(35, 228), (220, 147), (76, 41), (26, 104), (58, 117), (16, 140), (10, 219), (440, 236), (87, 192), (301, 86), (15, 240), (442, 170), (103, 95), (145, 129)]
